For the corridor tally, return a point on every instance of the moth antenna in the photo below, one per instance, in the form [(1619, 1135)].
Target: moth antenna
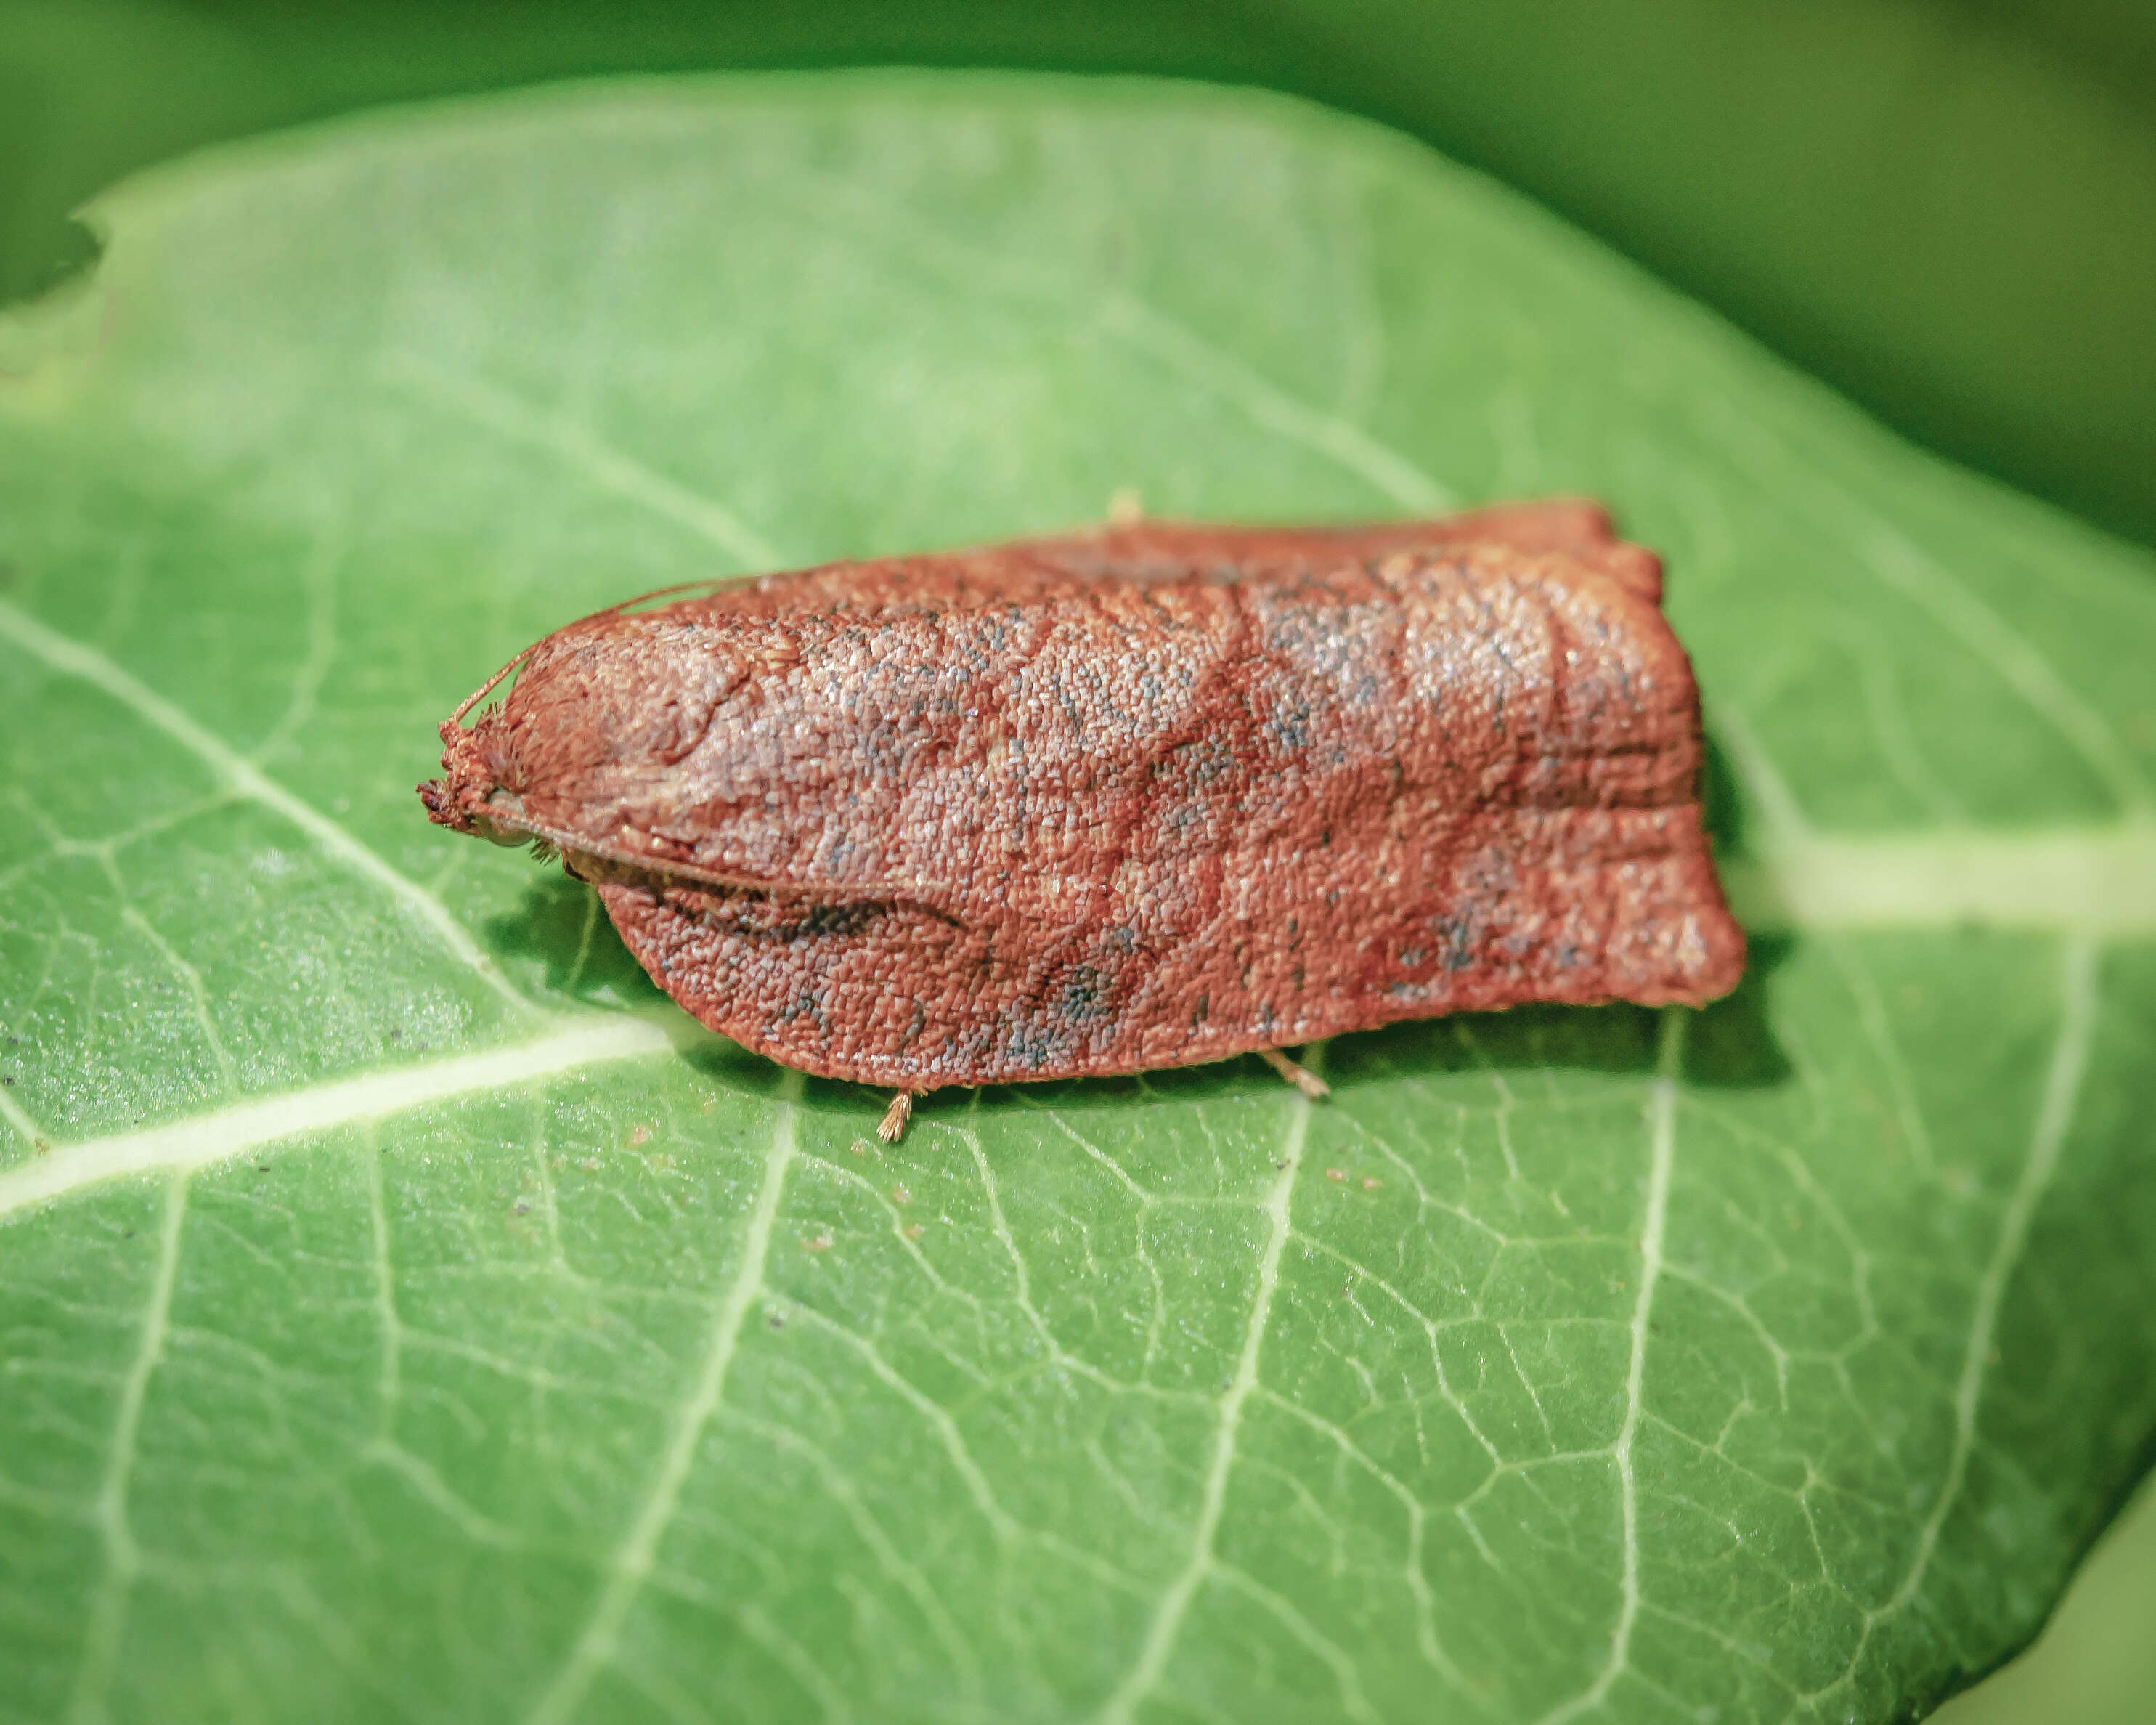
[(456, 720), (660, 592)]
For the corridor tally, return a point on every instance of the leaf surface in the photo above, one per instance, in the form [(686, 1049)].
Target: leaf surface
[(406, 1313)]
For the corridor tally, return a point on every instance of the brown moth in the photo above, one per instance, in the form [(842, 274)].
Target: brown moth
[(1142, 796)]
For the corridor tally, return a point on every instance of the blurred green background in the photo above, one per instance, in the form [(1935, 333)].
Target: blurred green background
[(2096, 1663), (1947, 208)]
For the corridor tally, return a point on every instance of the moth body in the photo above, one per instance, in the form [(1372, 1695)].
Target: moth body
[(1142, 797)]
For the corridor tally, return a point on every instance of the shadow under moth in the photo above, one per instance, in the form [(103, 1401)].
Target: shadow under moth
[(1141, 796)]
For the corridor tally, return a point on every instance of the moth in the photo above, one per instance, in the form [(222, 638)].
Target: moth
[(1140, 796)]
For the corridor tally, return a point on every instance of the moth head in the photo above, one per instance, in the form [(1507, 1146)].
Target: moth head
[(477, 793), (581, 749)]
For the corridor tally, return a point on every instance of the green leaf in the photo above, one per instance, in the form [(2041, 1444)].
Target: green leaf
[(405, 1312)]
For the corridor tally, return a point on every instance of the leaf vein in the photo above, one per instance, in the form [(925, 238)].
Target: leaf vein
[(509, 417), (73, 658), (2079, 992), (1661, 1116), (632, 1559), (197, 1140), (123, 1557), (1144, 1674)]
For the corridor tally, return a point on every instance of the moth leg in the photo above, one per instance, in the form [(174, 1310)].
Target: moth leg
[(894, 1118), (1309, 1083)]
